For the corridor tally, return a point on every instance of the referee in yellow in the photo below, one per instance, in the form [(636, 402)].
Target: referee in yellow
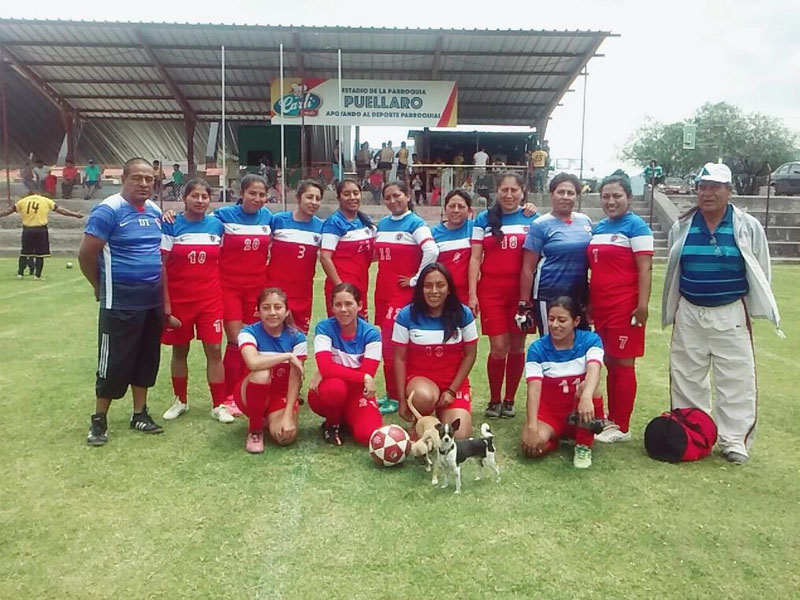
[(34, 210)]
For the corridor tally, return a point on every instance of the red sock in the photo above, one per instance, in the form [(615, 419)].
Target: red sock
[(234, 367), (179, 385), (255, 405), (389, 379), (496, 370), (584, 436), (515, 364), (217, 393), (620, 405), (329, 400), (611, 382), (597, 402)]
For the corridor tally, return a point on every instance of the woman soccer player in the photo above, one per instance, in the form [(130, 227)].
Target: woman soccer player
[(453, 237), (348, 238), (435, 345), (190, 248), (273, 351), (348, 352), (555, 249), (296, 238), (621, 259), (562, 370), (403, 246), (494, 267), (243, 268)]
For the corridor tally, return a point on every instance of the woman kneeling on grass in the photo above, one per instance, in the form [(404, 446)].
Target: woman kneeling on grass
[(273, 351), (562, 370), (348, 353), (435, 345)]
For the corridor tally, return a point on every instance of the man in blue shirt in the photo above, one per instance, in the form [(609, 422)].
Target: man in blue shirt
[(120, 256), (718, 278)]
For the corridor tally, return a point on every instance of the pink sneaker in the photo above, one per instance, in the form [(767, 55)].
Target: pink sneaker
[(232, 408), (255, 442)]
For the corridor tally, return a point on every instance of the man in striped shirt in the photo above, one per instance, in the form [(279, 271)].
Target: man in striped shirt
[(718, 277), (120, 256)]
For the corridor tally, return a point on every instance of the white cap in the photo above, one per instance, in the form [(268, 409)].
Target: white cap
[(716, 172)]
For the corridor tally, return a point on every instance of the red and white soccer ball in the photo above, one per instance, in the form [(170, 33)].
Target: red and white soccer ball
[(389, 445)]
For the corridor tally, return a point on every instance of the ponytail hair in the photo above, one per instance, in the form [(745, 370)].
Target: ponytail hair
[(496, 211), (346, 286), (289, 321), (194, 183), (622, 180), (365, 220), (309, 183), (401, 185)]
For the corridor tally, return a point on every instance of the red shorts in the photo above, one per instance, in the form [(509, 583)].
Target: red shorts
[(463, 399), (385, 314), (622, 342), (277, 400), (498, 306), (555, 413), (203, 317), (301, 311), (240, 304)]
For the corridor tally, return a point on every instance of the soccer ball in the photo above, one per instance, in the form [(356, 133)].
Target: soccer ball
[(69, 265), (389, 445)]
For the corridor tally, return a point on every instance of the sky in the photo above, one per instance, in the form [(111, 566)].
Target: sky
[(668, 60)]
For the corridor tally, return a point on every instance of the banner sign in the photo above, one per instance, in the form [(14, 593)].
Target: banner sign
[(364, 102)]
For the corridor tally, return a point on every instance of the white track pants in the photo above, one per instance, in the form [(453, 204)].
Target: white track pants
[(716, 340)]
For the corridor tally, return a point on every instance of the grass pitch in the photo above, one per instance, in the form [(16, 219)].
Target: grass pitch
[(189, 514)]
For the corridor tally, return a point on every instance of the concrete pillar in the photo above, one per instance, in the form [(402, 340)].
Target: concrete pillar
[(190, 124)]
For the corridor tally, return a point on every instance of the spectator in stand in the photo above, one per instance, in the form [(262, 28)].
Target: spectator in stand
[(539, 169), (158, 181), (480, 159), (419, 192), (653, 173), (69, 178), (28, 180), (385, 159), (91, 178), (363, 158), (337, 175), (40, 173), (402, 162), (376, 185)]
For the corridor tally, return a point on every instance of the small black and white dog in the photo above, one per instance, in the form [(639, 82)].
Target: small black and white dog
[(452, 453)]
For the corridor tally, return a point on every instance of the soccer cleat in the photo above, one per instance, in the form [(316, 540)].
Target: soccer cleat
[(613, 434), (233, 410), (595, 425), (734, 457), (255, 442), (387, 405), (507, 410), (332, 435), (19, 276), (176, 410), (493, 410), (221, 414), (582, 459), (144, 422), (98, 430)]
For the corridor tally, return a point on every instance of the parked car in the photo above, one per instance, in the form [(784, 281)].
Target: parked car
[(786, 179), (675, 185)]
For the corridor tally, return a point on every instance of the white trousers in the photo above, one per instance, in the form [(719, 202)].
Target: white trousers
[(716, 340)]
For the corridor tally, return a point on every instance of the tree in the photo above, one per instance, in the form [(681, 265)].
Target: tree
[(744, 141)]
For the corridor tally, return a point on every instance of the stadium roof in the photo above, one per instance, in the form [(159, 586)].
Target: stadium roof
[(149, 71)]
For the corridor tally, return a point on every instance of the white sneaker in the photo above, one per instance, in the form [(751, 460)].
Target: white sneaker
[(221, 414), (176, 410), (612, 434)]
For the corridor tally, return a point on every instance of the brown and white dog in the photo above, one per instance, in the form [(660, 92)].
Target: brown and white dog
[(427, 435)]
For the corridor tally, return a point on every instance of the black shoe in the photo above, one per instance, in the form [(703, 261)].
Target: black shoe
[(595, 425), (493, 410), (98, 431), (507, 410), (144, 422), (331, 435)]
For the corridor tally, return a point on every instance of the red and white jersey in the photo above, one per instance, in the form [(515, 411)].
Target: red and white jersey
[(429, 354), (562, 371), (351, 245), (455, 250), (243, 260), (191, 251), (614, 285), (293, 254), (399, 245), (502, 258)]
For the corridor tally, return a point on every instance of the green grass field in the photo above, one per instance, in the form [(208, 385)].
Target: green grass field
[(189, 514)]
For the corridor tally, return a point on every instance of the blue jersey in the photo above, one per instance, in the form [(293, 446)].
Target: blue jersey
[(130, 264), (562, 371), (563, 264), (348, 352), (290, 340)]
